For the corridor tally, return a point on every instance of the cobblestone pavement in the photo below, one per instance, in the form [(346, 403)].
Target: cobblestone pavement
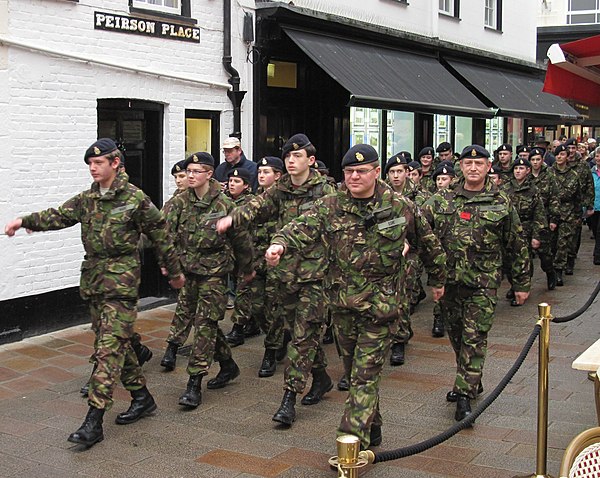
[(232, 435)]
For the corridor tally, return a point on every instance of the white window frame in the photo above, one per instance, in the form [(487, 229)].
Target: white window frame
[(447, 7), (144, 5), (490, 18), (571, 13)]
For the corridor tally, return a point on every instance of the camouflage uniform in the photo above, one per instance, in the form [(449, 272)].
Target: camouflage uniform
[(364, 242), (476, 230), (111, 225), (207, 257), (546, 185), (568, 194), (527, 200), (298, 277), (505, 174)]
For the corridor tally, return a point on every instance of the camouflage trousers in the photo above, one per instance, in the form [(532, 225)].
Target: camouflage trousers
[(363, 345), (544, 252), (304, 313), (576, 242), (181, 324), (407, 293), (468, 315), (562, 240), (112, 323), (205, 299)]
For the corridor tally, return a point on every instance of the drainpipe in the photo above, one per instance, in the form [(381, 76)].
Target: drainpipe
[(235, 95)]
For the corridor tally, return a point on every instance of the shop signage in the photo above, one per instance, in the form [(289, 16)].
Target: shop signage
[(143, 26)]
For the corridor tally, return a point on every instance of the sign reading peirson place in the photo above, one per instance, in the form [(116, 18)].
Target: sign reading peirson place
[(142, 26)]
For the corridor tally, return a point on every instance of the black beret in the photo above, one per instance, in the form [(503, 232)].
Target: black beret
[(101, 147), (321, 166), (395, 161), (271, 161), (360, 154), (413, 165), (446, 162), (178, 167), (295, 143), (200, 158), (474, 151), (426, 150), (445, 146), (523, 148), (560, 148), (443, 170), (521, 162), (407, 155), (571, 142), (536, 152), (493, 170), (240, 173), (505, 147)]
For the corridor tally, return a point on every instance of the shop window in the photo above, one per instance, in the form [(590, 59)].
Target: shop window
[(400, 132), (463, 133), (442, 129), (494, 133), (282, 74)]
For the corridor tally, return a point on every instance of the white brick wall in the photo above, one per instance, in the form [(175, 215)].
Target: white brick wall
[(48, 114)]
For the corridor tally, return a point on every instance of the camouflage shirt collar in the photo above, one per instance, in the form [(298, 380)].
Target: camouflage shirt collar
[(119, 184), (214, 189), (383, 194), (314, 178), (489, 190)]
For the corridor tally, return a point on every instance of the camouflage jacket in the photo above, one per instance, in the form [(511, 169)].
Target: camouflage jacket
[(202, 250), (527, 200), (427, 183), (363, 242), (505, 175), (167, 205), (586, 182), (411, 191), (568, 192), (111, 225), (284, 202), (545, 182), (262, 240), (476, 233)]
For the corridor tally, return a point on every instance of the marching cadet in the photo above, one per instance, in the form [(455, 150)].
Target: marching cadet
[(546, 185), (300, 276), (415, 172), (112, 214), (503, 166), (477, 226), (527, 201), (427, 168), (207, 258), (445, 152), (443, 177), (364, 229), (523, 151)]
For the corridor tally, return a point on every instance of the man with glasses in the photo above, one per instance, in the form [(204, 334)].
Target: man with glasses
[(207, 258), (235, 158), (364, 228), (300, 295)]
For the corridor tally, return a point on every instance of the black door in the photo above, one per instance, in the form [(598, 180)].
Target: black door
[(136, 126)]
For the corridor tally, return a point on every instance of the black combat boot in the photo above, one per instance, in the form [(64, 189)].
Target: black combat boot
[(90, 431), (269, 364), (85, 390), (463, 407), (510, 294), (236, 336), (344, 384), (514, 303), (286, 413), (192, 397), (282, 352), (551, 279), (143, 353), (559, 278), (570, 266), (438, 327), (142, 404), (321, 384), (452, 396), (170, 358), (229, 370), (251, 329), (375, 435), (397, 356)]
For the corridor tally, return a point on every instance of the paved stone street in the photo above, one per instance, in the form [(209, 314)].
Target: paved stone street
[(231, 434)]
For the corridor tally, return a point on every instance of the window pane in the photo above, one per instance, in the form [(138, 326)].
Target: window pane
[(584, 18), (494, 132), (441, 129), (445, 6), (281, 74), (401, 132), (197, 135), (463, 132), (577, 5)]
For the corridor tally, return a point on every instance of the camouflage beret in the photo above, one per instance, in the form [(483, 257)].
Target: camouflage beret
[(101, 147), (200, 158), (360, 154), (271, 161), (295, 143), (559, 149), (443, 170), (475, 151), (241, 173), (178, 167), (445, 146), (426, 150), (521, 162)]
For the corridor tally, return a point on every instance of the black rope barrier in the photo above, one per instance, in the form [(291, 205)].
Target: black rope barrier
[(467, 421), (574, 315)]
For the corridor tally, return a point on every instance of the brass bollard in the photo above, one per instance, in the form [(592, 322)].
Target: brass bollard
[(542, 418), (350, 458)]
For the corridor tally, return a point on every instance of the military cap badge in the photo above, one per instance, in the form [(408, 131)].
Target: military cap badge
[(177, 168), (295, 145), (264, 162), (359, 157), (473, 152), (194, 158), (398, 160), (236, 172), (97, 150)]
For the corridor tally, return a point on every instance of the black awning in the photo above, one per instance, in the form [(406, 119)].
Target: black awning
[(380, 77), (514, 94)]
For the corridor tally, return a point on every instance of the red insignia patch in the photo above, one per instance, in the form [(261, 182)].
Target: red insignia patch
[(465, 215)]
